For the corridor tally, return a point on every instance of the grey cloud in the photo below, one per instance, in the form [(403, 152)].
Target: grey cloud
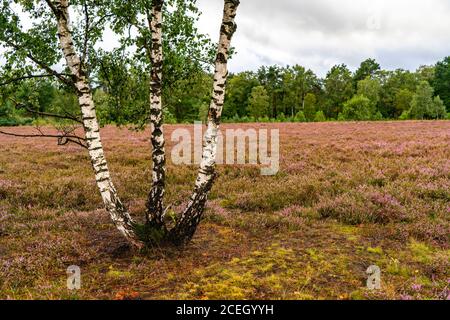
[(320, 33)]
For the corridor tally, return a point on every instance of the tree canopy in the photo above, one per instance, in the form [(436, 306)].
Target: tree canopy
[(32, 75)]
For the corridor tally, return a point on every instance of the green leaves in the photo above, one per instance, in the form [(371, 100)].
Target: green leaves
[(259, 102), (357, 108), (123, 85), (441, 82), (424, 106), (187, 55), (368, 68), (338, 88), (28, 32)]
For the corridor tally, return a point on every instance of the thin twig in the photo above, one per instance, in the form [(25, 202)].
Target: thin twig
[(32, 76), (42, 135), (86, 35), (47, 114)]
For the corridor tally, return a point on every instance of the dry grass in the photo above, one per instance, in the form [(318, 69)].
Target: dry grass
[(348, 195)]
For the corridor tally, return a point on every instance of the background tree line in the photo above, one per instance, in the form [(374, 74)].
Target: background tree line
[(272, 93), (370, 93)]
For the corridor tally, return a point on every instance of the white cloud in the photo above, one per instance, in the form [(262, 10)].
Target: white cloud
[(321, 33)]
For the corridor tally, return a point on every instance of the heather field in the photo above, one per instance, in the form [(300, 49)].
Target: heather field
[(347, 196)]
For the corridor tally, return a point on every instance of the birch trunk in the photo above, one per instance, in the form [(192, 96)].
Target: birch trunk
[(191, 216), (155, 207), (113, 205)]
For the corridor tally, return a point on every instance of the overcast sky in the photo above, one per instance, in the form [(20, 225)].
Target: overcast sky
[(321, 33)]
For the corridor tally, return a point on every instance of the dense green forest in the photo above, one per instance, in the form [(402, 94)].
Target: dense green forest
[(272, 93)]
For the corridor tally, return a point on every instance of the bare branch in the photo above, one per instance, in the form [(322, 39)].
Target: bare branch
[(54, 115), (62, 139), (66, 133), (193, 56), (32, 76), (67, 115)]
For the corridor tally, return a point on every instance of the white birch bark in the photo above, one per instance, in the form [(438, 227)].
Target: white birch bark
[(155, 206), (190, 218), (113, 205)]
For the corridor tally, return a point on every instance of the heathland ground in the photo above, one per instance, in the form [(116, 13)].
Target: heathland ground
[(347, 196)]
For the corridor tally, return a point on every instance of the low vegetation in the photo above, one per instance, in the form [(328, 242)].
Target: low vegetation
[(348, 195)]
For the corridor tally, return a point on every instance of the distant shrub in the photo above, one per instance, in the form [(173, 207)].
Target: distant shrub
[(281, 117), (202, 114), (378, 116), (14, 122), (245, 119), (357, 108), (320, 117), (235, 119), (8, 123), (300, 117), (170, 120), (404, 115), (438, 111), (310, 106), (259, 102), (424, 106)]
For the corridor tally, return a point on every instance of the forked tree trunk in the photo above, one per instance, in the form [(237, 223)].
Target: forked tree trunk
[(191, 216), (113, 205), (155, 206), (155, 229)]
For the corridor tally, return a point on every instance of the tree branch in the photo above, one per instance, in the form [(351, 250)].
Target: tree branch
[(32, 76), (41, 64), (68, 116), (86, 34), (52, 6), (62, 139), (54, 115), (100, 20)]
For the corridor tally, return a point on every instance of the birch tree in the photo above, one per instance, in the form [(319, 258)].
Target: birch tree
[(155, 229), (37, 45), (187, 52), (191, 216), (37, 49)]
